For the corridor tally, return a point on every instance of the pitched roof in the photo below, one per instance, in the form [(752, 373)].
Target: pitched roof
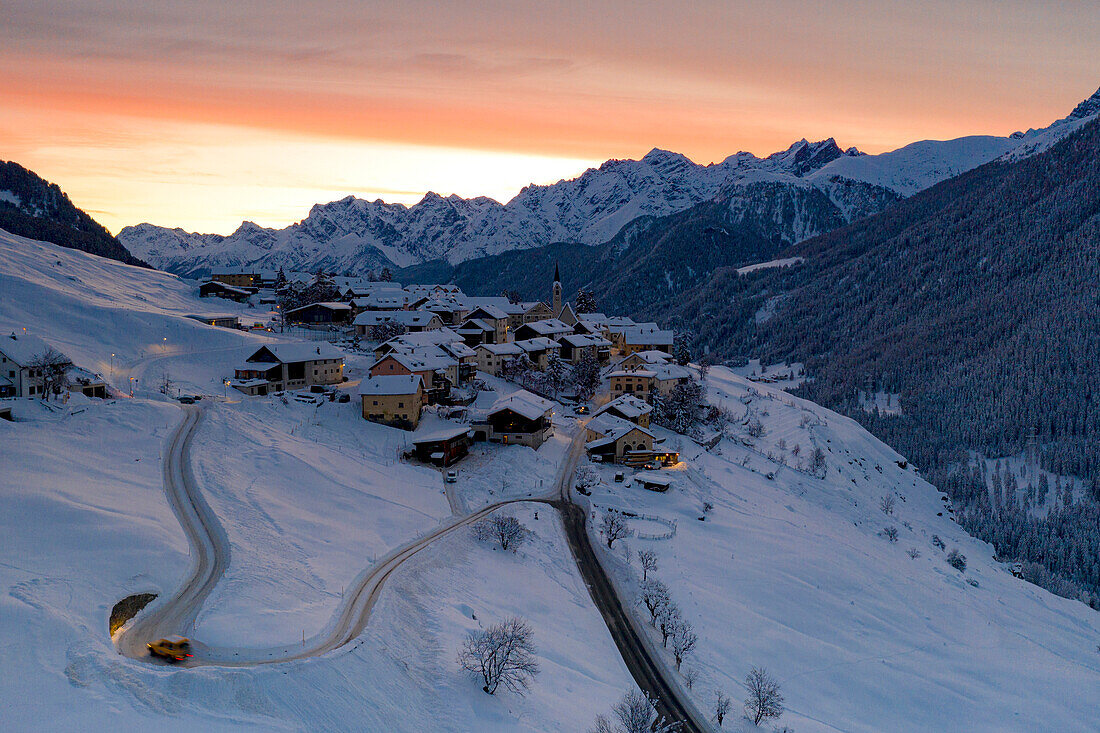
[(611, 429), (444, 434), (523, 403), (643, 336), (300, 351), (492, 311), (328, 305), (626, 405), (23, 348), (505, 349), (404, 318), (547, 327), (665, 372), (390, 384), (539, 343)]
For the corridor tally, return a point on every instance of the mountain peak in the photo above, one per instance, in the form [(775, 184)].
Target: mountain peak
[(1087, 108), (657, 156)]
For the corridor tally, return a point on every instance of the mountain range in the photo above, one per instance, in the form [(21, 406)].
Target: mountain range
[(356, 235)]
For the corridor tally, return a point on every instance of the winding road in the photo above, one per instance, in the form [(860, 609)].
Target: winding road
[(210, 558)]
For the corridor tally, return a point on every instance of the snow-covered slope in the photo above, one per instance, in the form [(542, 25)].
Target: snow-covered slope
[(353, 234), (795, 573)]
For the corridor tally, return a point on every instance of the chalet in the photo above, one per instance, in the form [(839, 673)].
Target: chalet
[(215, 289), (639, 383), (329, 312), (451, 312), (88, 383), (394, 400), (385, 300), (21, 369), (539, 349), (437, 370), (476, 331), (642, 360), (413, 341), (411, 321), (512, 309), (536, 311), (520, 418), (491, 358), (287, 366), (627, 407), (574, 347), (550, 328), (643, 338), (444, 447), (225, 321), (613, 438), (488, 315), (667, 376)]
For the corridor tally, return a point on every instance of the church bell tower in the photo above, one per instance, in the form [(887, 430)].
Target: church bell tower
[(557, 292)]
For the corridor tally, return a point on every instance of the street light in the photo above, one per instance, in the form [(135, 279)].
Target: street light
[(225, 390), (131, 386)]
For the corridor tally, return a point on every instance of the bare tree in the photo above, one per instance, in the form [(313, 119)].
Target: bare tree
[(614, 527), (668, 620), (654, 594), (764, 700), (691, 676), (887, 505), (817, 462), (53, 367), (503, 654), (722, 706), (603, 725), (648, 560), (508, 531), (683, 640), (890, 533), (637, 713)]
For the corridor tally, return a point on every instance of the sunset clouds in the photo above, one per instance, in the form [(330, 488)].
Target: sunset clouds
[(138, 108)]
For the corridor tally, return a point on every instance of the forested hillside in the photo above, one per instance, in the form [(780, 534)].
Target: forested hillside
[(37, 209), (978, 302)]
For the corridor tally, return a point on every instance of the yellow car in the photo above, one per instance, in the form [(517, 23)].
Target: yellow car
[(173, 648)]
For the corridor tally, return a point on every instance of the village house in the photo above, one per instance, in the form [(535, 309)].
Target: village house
[(627, 407), (386, 300), (392, 399), (329, 312), (485, 324), (409, 342), (642, 360), (214, 289), (538, 350), (613, 438), (238, 278), (639, 383), (550, 328), (411, 321), (451, 312), (444, 447), (667, 376), (521, 418), (491, 358), (223, 321), (575, 346), (278, 367), (642, 338), (536, 311), (20, 373), (438, 371)]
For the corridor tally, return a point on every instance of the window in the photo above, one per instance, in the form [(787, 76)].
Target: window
[(400, 405), (376, 403)]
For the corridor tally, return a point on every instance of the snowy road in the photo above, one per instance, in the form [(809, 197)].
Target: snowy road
[(210, 558)]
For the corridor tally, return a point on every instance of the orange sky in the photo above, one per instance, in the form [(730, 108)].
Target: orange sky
[(199, 114)]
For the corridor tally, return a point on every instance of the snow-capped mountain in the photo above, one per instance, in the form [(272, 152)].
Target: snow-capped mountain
[(354, 234)]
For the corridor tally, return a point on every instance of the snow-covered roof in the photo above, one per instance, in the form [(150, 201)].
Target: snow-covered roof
[(523, 403), (627, 405), (423, 359), (390, 384), (580, 340), (651, 356), (653, 478), (539, 343), (404, 318), (299, 351), (612, 427), (664, 372), (23, 348), (644, 336), (327, 305), (497, 302), (223, 286), (636, 373), (547, 327), (444, 434), (491, 311), (475, 324), (505, 349)]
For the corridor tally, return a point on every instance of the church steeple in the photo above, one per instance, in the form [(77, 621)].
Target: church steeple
[(556, 305)]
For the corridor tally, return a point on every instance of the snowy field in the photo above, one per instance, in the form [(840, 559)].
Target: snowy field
[(794, 574), (309, 496)]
